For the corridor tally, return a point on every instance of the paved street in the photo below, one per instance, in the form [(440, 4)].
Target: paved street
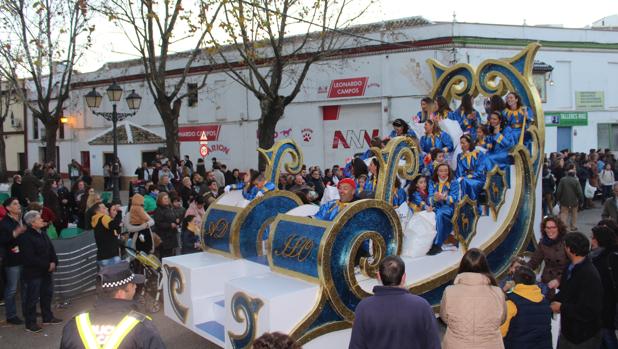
[(174, 335)]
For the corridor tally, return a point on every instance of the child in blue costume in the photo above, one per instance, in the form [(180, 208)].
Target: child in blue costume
[(435, 138), (418, 195), (518, 117), (443, 194), (499, 143), (254, 186), (401, 128), (467, 117), (469, 171), (399, 196)]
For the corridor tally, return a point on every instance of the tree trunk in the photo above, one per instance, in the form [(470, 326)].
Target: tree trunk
[(170, 121), (272, 111), (51, 132), (3, 170)]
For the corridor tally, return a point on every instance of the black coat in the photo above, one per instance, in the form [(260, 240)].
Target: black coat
[(111, 311), (17, 191), (30, 187), (164, 217), (9, 249), (37, 252), (601, 260), (581, 296)]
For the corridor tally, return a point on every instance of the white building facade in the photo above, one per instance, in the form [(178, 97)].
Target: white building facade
[(347, 99)]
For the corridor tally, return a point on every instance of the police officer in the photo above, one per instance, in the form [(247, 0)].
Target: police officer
[(113, 324)]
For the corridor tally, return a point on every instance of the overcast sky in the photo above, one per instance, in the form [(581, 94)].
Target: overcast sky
[(110, 44)]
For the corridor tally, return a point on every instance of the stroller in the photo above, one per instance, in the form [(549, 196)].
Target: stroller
[(150, 294)]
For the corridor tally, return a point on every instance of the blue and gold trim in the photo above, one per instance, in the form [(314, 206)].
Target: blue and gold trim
[(176, 286), (397, 149), (495, 189), (274, 159), (465, 218), (244, 310)]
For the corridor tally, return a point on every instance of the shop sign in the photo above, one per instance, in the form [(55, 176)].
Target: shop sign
[(566, 118), (589, 100), (352, 87), (193, 133)]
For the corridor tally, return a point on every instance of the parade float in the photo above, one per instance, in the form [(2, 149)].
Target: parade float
[(268, 266)]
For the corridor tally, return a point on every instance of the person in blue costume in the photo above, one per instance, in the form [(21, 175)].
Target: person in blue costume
[(481, 137), (328, 211), (426, 111), (254, 186), (418, 195), (401, 128), (443, 111), (435, 138), (443, 194), (399, 196), (499, 142), (467, 117), (469, 171), (376, 142), (372, 180), (518, 117)]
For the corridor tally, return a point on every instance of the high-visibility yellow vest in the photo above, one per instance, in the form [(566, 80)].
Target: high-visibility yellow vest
[(121, 330)]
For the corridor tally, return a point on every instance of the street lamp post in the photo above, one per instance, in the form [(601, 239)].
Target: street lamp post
[(114, 93)]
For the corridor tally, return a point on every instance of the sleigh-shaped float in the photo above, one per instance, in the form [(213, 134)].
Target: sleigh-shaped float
[(306, 279)]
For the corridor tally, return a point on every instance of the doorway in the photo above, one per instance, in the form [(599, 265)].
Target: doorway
[(564, 138)]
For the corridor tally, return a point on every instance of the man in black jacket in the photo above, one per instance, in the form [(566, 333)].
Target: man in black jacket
[(113, 317), (10, 229), (580, 300), (39, 262)]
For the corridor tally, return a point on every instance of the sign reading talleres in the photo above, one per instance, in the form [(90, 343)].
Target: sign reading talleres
[(352, 87)]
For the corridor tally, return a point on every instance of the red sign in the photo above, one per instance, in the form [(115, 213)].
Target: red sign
[(353, 87), (193, 133), (203, 150), (360, 139)]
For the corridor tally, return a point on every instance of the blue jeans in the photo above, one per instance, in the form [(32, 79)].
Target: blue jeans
[(13, 275), (609, 339), (39, 289), (109, 261)]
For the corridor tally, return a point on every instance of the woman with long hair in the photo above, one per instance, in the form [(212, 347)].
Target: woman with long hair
[(418, 194), (467, 117), (498, 142), (550, 250), (443, 194), (372, 178), (443, 111), (426, 110), (435, 138), (518, 116), (470, 173), (474, 307)]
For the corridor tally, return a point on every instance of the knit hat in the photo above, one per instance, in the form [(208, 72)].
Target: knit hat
[(349, 181), (119, 274)]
